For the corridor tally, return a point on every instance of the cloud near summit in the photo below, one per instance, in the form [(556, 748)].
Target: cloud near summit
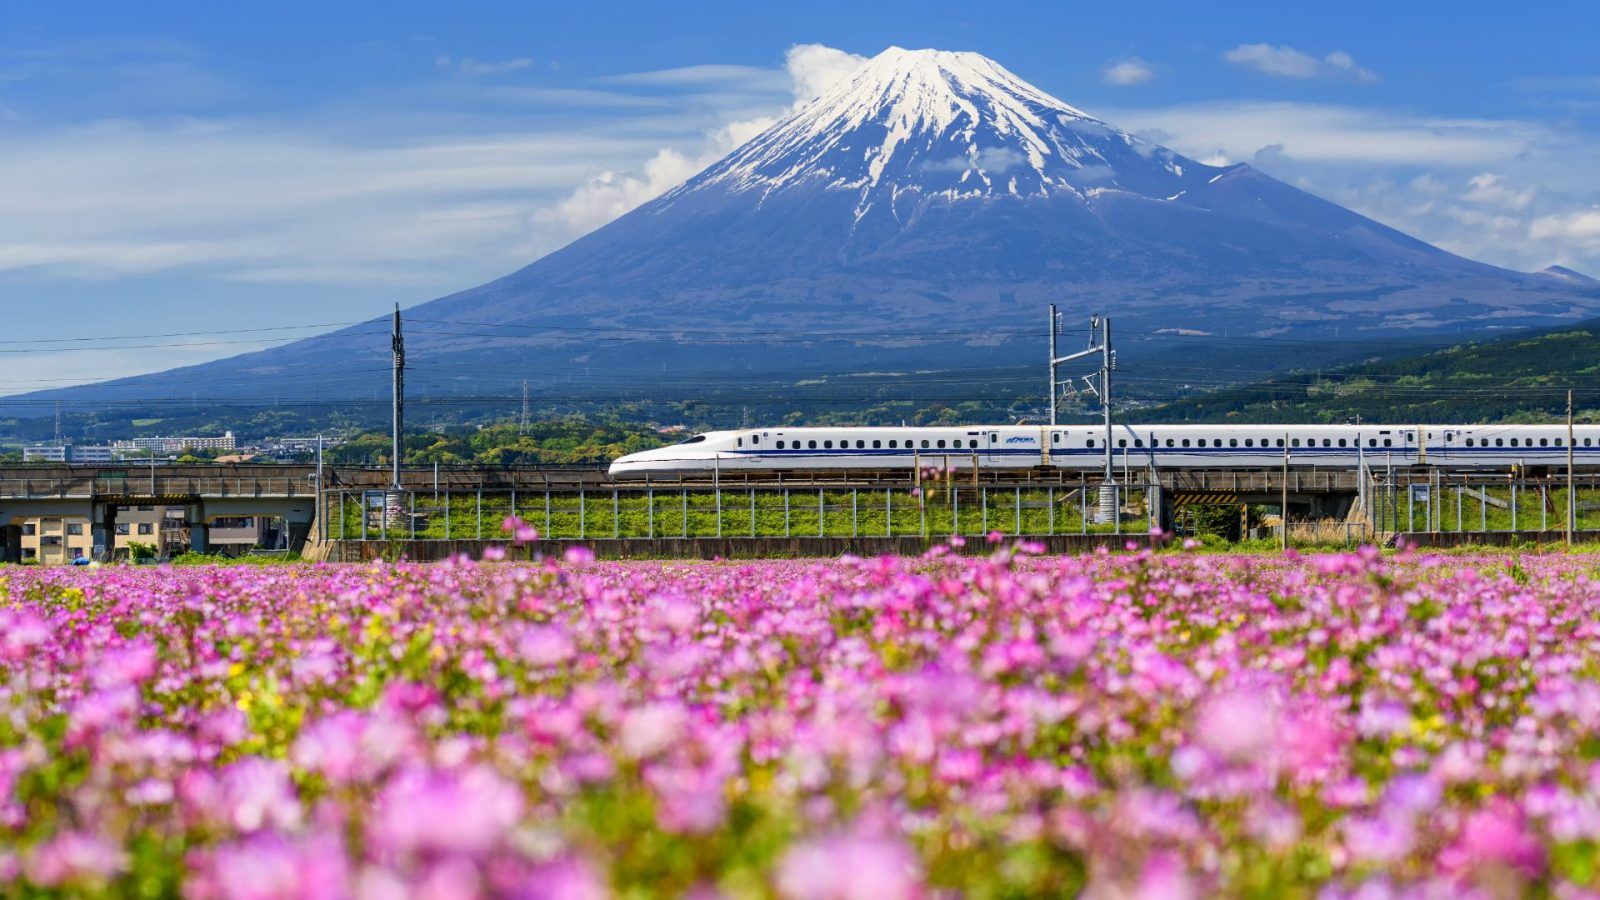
[(810, 68)]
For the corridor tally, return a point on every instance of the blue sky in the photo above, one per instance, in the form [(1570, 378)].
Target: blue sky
[(175, 167)]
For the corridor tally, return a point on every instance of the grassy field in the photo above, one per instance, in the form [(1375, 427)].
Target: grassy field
[(761, 513)]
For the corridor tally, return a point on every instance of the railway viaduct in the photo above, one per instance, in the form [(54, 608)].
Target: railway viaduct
[(294, 494)]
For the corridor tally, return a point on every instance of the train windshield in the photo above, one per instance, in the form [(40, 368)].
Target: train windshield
[(694, 440)]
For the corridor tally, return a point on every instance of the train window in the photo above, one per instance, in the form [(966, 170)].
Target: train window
[(1186, 442), (1138, 443), (1280, 442), (1122, 442), (1295, 442), (755, 439), (939, 443), (876, 445), (924, 443), (1469, 442), (1388, 442), (780, 445), (811, 445), (1327, 442), (1233, 442), (827, 445), (1089, 442), (1544, 442), (1169, 442), (1200, 442), (973, 443), (1558, 442), (1341, 442), (1513, 442), (1249, 442), (1499, 442), (1372, 442), (1055, 438), (741, 442), (894, 445)]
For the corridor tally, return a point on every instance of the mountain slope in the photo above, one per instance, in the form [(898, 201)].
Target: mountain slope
[(1521, 377), (921, 214)]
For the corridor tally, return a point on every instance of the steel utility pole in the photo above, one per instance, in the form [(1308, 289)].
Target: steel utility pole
[(1283, 541), (1572, 497), (522, 424), (1108, 361), (1099, 343), (398, 343)]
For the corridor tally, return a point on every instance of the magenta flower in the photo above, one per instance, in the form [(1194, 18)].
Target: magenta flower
[(849, 866), (435, 811)]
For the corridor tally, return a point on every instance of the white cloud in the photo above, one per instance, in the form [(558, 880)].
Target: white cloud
[(1494, 190), (1330, 133), (609, 193), (704, 75), (469, 66), (1580, 228), (1510, 192), (1287, 62), (813, 68), (1127, 72)]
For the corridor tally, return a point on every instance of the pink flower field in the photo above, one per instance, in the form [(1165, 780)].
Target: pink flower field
[(1139, 725)]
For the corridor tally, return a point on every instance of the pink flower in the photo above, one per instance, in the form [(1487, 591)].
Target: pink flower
[(268, 866), (20, 631), (544, 646), (1495, 837), (521, 532), (578, 556), (1238, 725), (258, 794), (848, 866), (75, 856), (130, 664), (466, 812), (564, 879), (649, 729)]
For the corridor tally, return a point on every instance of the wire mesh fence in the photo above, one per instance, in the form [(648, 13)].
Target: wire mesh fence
[(767, 511)]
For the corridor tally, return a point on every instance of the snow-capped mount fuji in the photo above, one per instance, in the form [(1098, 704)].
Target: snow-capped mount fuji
[(917, 126), (928, 207)]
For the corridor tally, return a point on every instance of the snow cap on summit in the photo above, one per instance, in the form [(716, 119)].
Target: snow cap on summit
[(942, 124)]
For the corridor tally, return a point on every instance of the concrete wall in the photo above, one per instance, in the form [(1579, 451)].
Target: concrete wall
[(712, 548), (1491, 538)]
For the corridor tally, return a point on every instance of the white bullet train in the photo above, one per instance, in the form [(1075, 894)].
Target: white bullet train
[(1133, 446)]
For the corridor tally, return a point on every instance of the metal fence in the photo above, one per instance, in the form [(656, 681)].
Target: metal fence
[(655, 511), (1483, 503)]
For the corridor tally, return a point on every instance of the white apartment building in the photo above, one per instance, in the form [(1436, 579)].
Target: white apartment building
[(175, 444), (67, 453)]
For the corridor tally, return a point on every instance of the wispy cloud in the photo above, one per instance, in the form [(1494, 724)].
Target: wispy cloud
[(1286, 62), (469, 66), (809, 69), (750, 77), (1127, 72), (1512, 192), (1328, 133)]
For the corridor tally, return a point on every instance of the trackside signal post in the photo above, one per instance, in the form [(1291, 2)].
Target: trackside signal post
[(1099, 343)]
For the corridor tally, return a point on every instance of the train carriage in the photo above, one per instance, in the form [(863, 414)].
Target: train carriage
[(1132, 446)]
